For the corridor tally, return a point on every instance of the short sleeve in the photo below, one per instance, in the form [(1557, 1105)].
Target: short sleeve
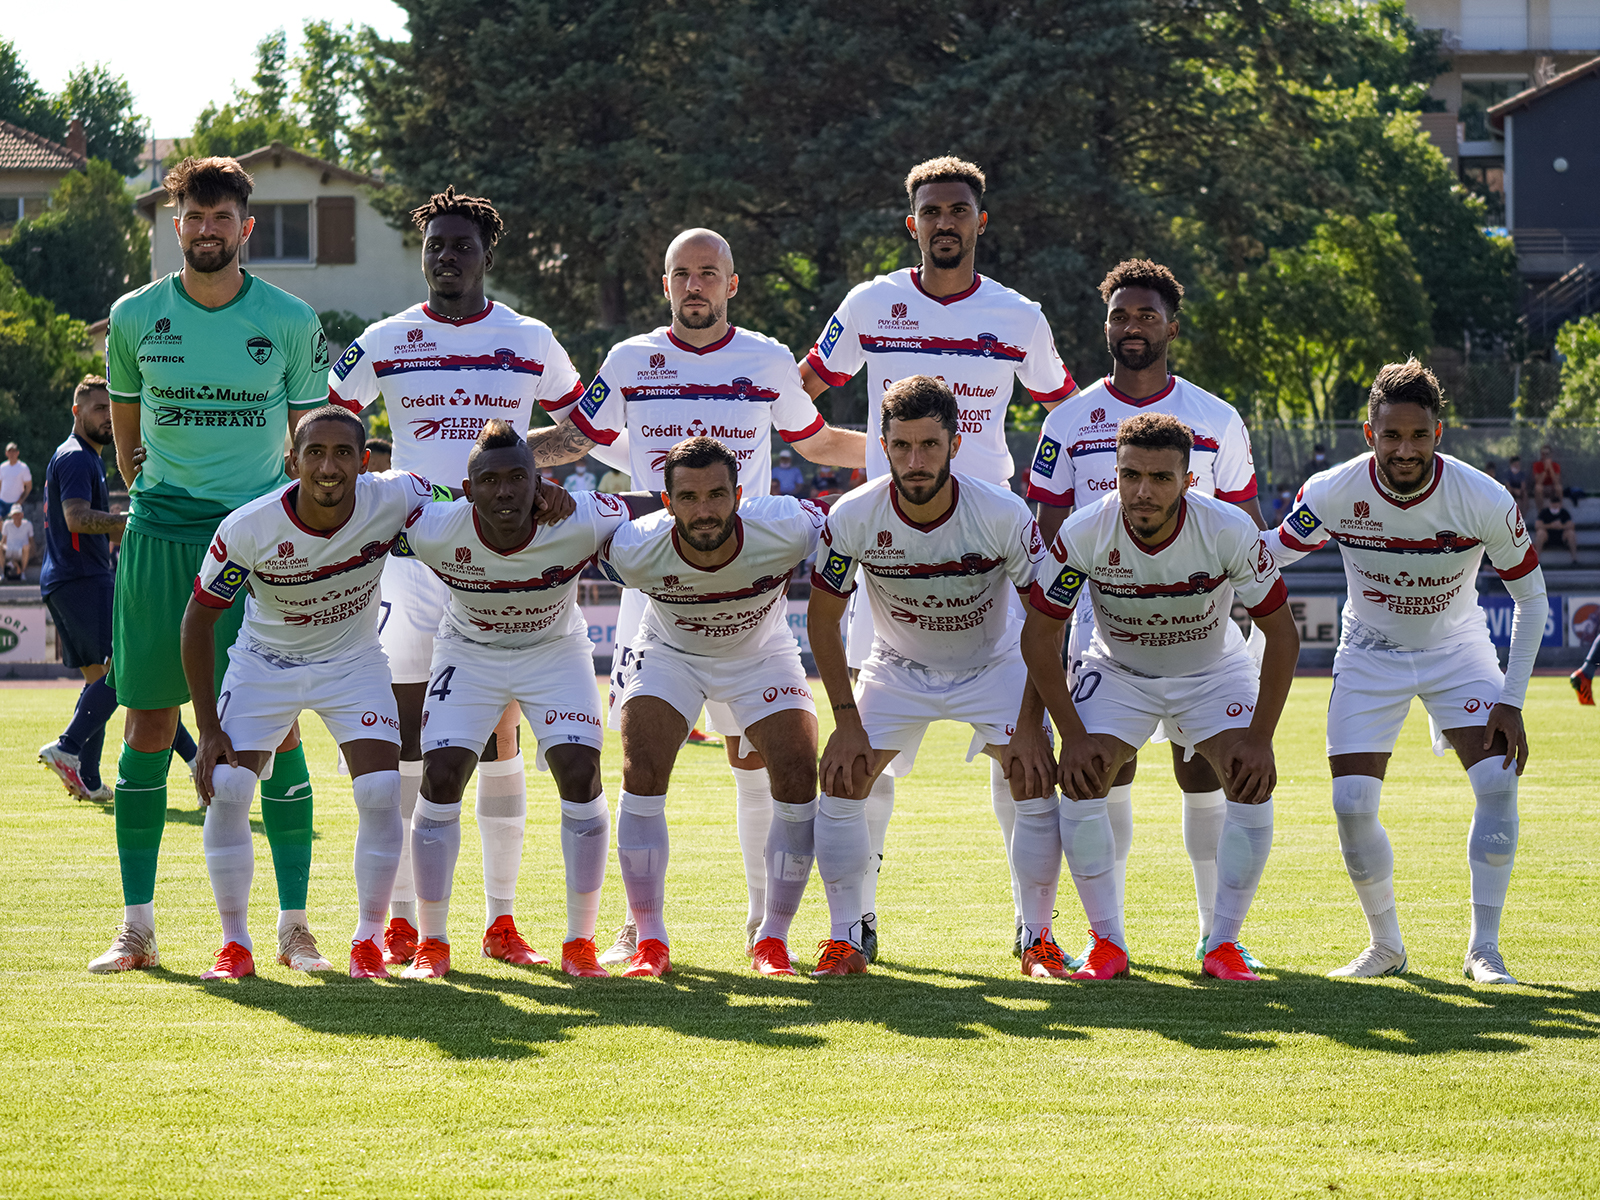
[(1042, 372), (1059, 582), (836, 567), (1302, 530), (1024, 554), (615, 557), (600, 414), (837, 354), (1236, 467), (606, 514), (305, 366), (352, 382), (225, 567), (794, 415), (1506, 543), (1254, 574), (1050, 478), (559, 386), (75, 477), (123, 377)]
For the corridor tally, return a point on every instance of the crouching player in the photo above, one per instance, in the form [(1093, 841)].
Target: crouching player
[(1163, 564), (311, 555), (938, 554), (715, 632), (511, 632)]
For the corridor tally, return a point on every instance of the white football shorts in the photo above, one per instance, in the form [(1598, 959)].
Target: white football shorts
[(1130, 707), (263, 695), (1373, 689), (630, 614), (470, 685), (736, 691), (411, 603)]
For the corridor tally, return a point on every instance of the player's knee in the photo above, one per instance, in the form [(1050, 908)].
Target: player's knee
[(377, 790), (445, 776), (233, 785), (794, 781), (576, 770)]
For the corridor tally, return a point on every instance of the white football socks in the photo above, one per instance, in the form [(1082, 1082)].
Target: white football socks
[(1119, 810), (403, 902), (1036, 861), (1202, 829), (752, 808), (379, 836), (1368, 857), (435, 846), (585, 843), (791, 849), (1491, 846), (642, 853), (1005, 812), (1091, 853), (140, 916), (1241, 858), (843, 850), (230, 856), (879, 808), (502, 812)]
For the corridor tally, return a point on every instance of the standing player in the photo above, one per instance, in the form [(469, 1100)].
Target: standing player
[(209, 369), (1076, 465), (715, 633), (310, 556), (939, 555), (511, 635), (1412, 526), (940, 318), (445, 368), (1163, 564), (699, 376)]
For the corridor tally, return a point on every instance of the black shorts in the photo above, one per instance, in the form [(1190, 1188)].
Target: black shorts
[(81, 609)]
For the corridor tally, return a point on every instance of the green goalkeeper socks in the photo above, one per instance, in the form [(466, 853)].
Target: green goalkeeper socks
[(286, 814), (141, 815)]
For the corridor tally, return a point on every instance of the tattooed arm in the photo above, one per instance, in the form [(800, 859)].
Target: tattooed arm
[(558, 444), (83, 519)]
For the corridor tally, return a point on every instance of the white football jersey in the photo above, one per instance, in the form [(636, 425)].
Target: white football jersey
[(979, 342), (511, 598), (312, 593), (1076, 462), (735, 609), (937, 591), (660, 390), (1162, 610), (442, 379), (1411, 564)]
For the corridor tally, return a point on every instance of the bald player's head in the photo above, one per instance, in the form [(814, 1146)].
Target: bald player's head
[(699, 280), (697, 247)]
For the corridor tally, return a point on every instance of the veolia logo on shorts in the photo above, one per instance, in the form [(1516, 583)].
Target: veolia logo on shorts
[(369, 718), (772, 693)]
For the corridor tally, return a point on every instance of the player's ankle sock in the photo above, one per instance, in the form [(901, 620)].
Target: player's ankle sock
[(1202, 829), (1368, 857), (1091, 854), (435, 846), (1036, 861), (292, 916), (1241, 858), (879, 808), (379, 836), (286, 816), (183, 744), (141, 815), (791, 849), (752, 804), (642, 853), (1591, 660), (1005, 812), (230, 856), (1119, 808), (139, 916), (585, 838), (96, 702), (403, 901), (89, 759), (502, 812), (1492, 839), (842, 852)]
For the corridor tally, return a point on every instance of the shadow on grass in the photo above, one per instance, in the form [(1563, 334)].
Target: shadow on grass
[(475, 1016), (190, 816)]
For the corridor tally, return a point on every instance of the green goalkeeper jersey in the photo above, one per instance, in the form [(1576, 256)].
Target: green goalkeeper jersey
[(215, 386)]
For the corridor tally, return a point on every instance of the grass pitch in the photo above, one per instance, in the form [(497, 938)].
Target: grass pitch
[(940, 1073)]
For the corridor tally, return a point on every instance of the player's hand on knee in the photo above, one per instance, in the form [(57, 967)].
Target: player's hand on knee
[(1250, 768), (1506, 721), (1082, 770), (1028, 764), (847, 761), (213, 746)]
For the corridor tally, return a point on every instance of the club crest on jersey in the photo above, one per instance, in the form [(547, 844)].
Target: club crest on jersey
[(670, 581), (1063, 590), (285, 549), (259, 348), (228, 581), (657, 361), (413, 335), (897, 311), (1097, 416), (831, 337), (1114, 559), (885, 538), (1362, 510), (834, 570), (986, 344), (594, 397), (1303, 521), (463, 554), (1044, 462), (349, 359)]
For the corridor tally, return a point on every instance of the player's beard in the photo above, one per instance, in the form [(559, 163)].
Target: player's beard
[(921, 492), (948, 262), (1399, 489), (325, 499), (1145, 525), (706, 539), (209, 262), (712, 315), (1137, 360)]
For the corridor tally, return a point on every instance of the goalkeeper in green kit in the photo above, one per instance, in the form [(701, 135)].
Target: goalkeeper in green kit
[(210, 368)]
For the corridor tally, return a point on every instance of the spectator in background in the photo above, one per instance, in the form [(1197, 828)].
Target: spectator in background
[(1282, 504), (381, 455), (1319, 460), (16, 536), (1491, 470), (788, 479), (1546, 474), (1517, 480), (615, 481), (16, 481), (581, 478), (1555, 522), (826, 481)]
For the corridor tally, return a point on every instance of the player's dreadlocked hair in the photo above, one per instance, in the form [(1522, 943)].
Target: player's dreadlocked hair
[(1142, 273), (450, 203), (918, 396), (1406, 383), (1156, 431), (697, 452), (329, 412), (945, 169)]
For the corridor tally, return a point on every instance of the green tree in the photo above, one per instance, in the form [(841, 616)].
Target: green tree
[(1578, 342), (104, 103), (42, 358), (22, 101), (254, 118), (86, 249), (329, 68)]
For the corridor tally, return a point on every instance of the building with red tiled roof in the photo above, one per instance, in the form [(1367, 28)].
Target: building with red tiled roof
[(30, 168)]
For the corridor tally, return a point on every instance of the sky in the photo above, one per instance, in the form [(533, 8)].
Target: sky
[(145, 45)]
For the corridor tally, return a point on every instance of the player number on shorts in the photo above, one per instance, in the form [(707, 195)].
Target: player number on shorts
[(1088, 684), (383, 617), (441, 686), (222, 704)]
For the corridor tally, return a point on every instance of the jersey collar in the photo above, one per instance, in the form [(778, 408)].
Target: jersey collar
[(444, 320), (1385, 494), (716, 345), (1183, 515), (478, 529), (916, 279), (288, 498), (1172, 382), (929, 527), (244, 290), (738, 534)]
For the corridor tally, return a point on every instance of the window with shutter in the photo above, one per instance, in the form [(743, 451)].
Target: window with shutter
[(336, 229)]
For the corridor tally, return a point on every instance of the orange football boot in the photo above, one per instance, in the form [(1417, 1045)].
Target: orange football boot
[(431, 961), (1106, 960), (840, 958), (501, 940), (577, 958), (1581, 684), (1225, 962), (651, 958), (366, 960), (770, 956), (233, 962), (399, 941), (1044, 960)]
